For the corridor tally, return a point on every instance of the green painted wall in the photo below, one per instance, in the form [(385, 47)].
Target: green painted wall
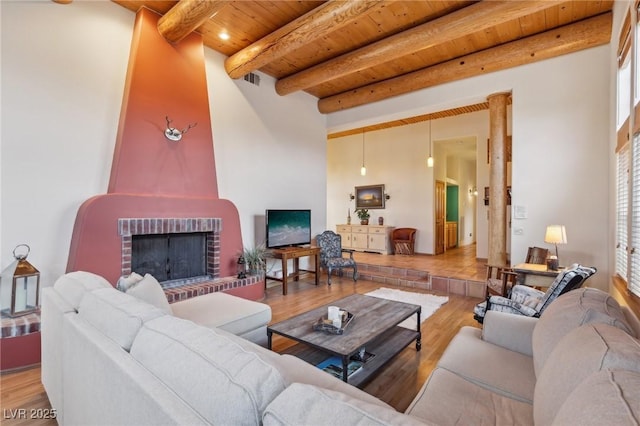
[(452, 203)]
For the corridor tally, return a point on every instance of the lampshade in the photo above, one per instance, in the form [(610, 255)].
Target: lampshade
[(556, 234)]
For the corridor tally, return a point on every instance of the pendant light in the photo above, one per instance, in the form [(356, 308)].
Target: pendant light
[(430, 159), (363, 169)]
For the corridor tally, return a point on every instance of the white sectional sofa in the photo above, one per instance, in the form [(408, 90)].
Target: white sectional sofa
[(110, 358)]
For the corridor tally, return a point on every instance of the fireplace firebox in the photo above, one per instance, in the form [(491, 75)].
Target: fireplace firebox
[(173, 250), (170, 256)]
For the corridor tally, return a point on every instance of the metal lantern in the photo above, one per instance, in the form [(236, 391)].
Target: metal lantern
[(242, 267), (20, 285)]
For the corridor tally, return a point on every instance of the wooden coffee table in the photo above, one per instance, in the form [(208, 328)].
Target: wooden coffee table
[(374, 327)]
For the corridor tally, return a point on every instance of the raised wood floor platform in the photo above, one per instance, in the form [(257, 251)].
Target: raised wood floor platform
[(457, 271)]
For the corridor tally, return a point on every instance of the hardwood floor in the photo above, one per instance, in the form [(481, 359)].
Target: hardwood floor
[(22, 397), (459, 262), (397, 383), (400, 380)]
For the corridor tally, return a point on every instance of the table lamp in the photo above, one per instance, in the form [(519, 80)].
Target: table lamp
[(556, 234)]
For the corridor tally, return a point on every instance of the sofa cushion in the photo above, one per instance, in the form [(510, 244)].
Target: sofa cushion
[(490, 366), (448, 399), (302, 404), (605, 398), (295, 370), (570, 311), (117, 315), (223, 382), (582, 352), (511, 332), (150, 290), (231, 313), (74, 285)]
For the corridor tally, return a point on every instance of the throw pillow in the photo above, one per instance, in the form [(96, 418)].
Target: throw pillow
[(124, 283), (149, 290)]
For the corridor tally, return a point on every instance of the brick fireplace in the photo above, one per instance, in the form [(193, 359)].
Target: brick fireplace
[(210, 227), (159, 185)]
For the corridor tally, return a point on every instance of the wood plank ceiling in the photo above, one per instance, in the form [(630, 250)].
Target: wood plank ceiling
[(350, 53)]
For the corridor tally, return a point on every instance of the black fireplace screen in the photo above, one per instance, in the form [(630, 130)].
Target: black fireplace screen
[(170, 256)]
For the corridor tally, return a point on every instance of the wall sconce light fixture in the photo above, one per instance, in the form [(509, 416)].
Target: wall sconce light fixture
[(387, 196), (174, 134), (473, 191), (352, 197)]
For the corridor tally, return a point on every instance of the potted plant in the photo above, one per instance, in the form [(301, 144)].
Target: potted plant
[(255, 259), (363, 215)]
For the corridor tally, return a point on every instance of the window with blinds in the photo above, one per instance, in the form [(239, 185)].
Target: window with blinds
[(622, 209), (634, 254), (627, 260), (624, 93)]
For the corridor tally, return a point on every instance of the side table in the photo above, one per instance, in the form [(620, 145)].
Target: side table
[(534, 275), (294, 253)]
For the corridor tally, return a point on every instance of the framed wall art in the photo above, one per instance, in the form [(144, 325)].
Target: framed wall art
[(370, 197)]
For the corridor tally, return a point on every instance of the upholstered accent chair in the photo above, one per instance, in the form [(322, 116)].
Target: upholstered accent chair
[(331, 255), (404, 240), (531, 302)]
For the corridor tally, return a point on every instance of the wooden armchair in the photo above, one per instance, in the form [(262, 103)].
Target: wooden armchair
[(500, 280), (537, 255), (403, 240)]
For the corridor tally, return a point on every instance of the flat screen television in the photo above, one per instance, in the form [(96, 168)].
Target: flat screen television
[(288, 228)]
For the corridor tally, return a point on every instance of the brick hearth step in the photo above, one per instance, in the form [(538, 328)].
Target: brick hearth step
[(395, 276)]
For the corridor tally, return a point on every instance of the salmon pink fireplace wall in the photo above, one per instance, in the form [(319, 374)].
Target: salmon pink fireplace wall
[(152, 176)]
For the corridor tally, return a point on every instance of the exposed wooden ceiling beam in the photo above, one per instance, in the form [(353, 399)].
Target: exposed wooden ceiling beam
[(477, 17), (411, 120), (567, 39), (187, 15), (316, 24)]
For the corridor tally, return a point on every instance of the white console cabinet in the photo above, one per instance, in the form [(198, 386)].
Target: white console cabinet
[(374, 238)]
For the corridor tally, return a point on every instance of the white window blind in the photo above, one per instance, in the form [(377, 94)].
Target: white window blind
[(622, 211), (624, 92), (634, 258)]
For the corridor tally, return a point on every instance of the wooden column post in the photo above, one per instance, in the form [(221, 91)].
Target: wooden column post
[(498, 178)]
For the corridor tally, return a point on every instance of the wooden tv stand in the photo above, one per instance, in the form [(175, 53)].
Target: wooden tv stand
[(295, 253)]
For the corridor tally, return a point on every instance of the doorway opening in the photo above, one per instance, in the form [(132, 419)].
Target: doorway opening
[(455, 201)]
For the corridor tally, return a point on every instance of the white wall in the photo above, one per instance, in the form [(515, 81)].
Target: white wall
[(396, 157), (561, 130), (62, 84), (270, 150)]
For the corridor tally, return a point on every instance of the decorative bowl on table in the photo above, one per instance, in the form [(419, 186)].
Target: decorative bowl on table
[(325, 324)]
